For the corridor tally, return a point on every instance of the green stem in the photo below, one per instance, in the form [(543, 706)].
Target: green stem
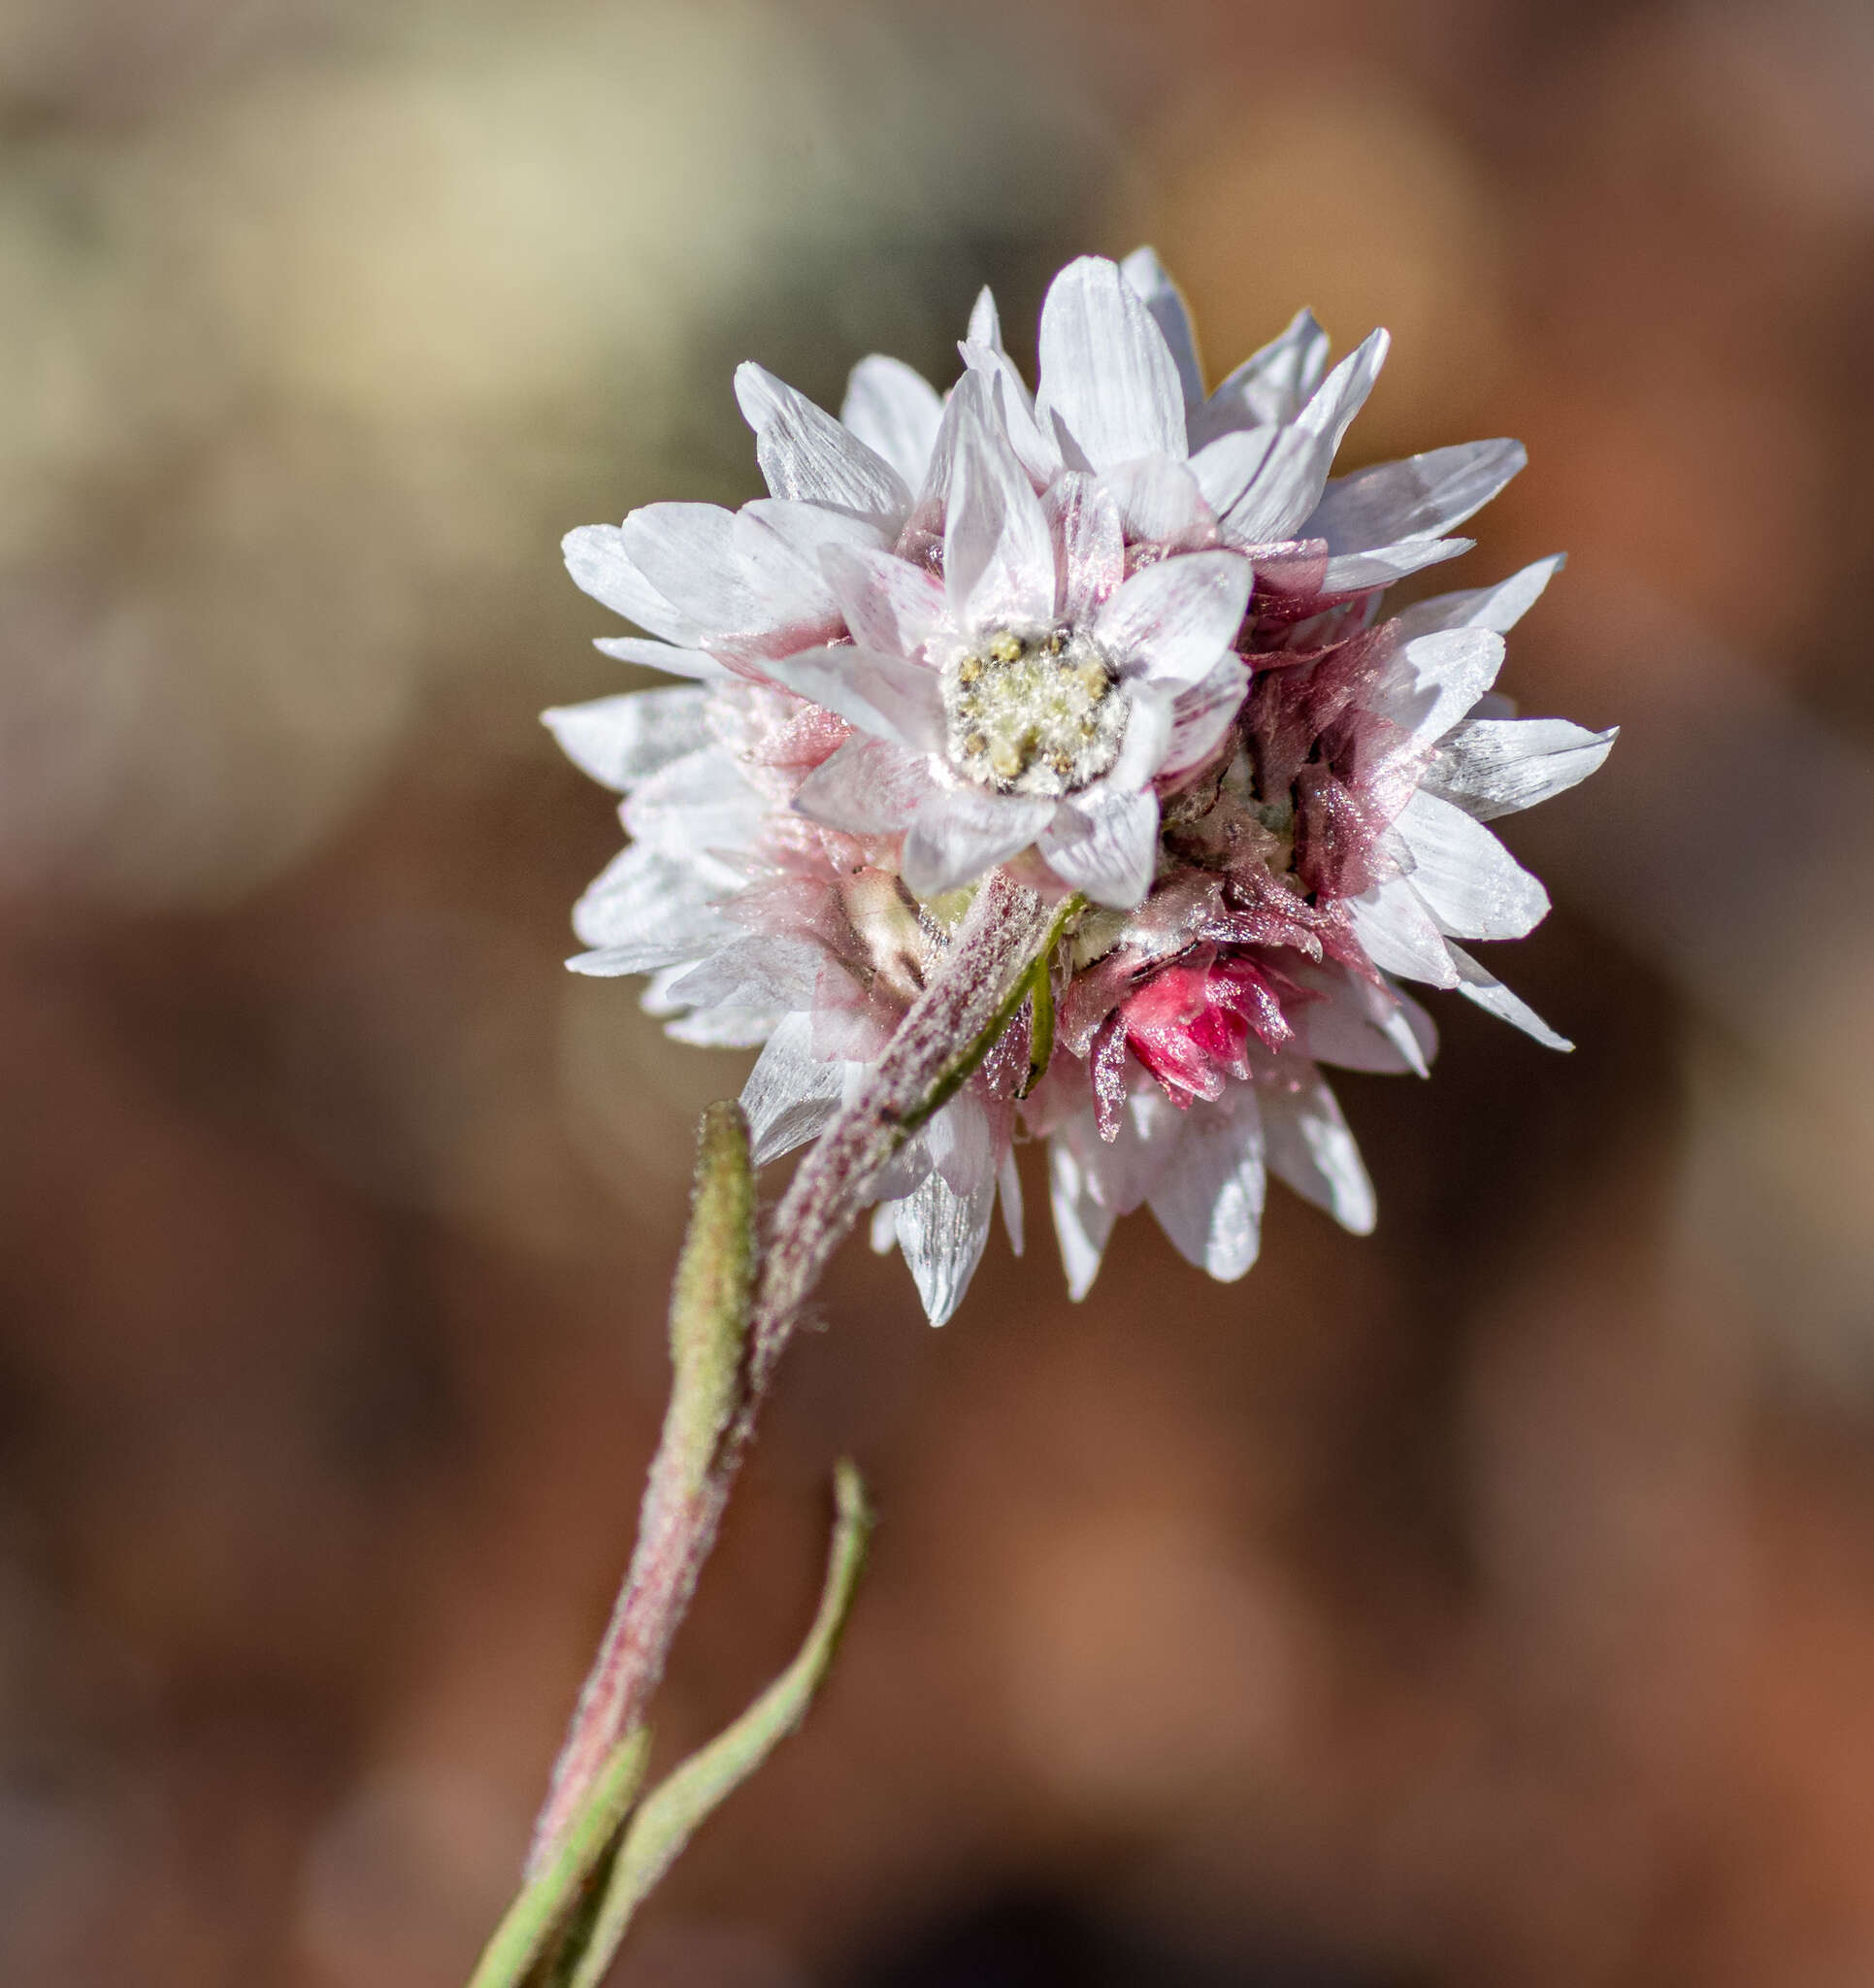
[(535, 1918), (666, 1820), (1031, 984)]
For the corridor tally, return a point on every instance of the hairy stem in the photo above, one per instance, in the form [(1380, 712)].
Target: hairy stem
[(946, 1032)]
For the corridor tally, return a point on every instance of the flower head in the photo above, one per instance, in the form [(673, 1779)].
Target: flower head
[(1124, 638)]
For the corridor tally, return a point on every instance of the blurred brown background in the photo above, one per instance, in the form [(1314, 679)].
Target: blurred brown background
[(1489, 1602)]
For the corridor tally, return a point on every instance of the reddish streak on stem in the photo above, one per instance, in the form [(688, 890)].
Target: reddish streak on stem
[(996, 943)]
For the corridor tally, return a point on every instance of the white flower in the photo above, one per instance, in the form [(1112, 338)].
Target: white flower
[(1122, 636), (1028, 697)]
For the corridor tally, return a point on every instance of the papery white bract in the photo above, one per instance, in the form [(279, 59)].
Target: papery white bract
[(1124, 637)]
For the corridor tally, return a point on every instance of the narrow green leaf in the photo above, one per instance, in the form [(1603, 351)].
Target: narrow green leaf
[(527, 1933), (668, 1817)]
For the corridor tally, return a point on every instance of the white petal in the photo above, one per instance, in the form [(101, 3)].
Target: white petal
[(959, 835), (941, 1235), (884, 1228), (896, 412), (688, 553), (1282, 492), (694, 663), (1090, 544), (888, 602), (1161, 298), (599, 563), (876, 691), (790, 1093), (1489, 994), (644, 898), (998, 551), (971, 399), (620, 741), (723, 1027), (1107, 850), (796, 602), (1141, 750), (1311, 1148), (1431, 683), (1151, 1137), (1227, 467), (784, 548), (1202, 716), (1470, 883), (1398, 934), (962, 1145), (1081, 1224), (1108, 381), (1008, 1182), (806, 454), (1275, 384), (1159, 501), (1354, 572), (697, 803), (1343, 393), (1361, 1026), (985, 323), (1006, 398), (870, 786), (764, 971), (635, 956), (1495, 766), (1500, 606), (1420, 498), (1210, 1201), (1176, 618)]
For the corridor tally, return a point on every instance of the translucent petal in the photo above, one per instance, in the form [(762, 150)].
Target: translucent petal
[(896, 412), (958, 835), (1419, 498), (1431, 681), (1202, 715), (888, 602), (1311, 1148), (1176, 618), (878, 693), (1162, 297), (1500, 606), (1274, 384), (1400, 936), (597, 559), (997, 550), (697, 803), (1090, 544), (1331, 408), (1209, 1201), (694, 663), (941, 1235), (1107, 850), (620, 741), (1108, 381), (1497, 765), (1081, 1224), (1349, 573), (790, 1093), (869, 786), (1285, 489), (806, 454), (1489, 994), (1470, 883), (645, 897)]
